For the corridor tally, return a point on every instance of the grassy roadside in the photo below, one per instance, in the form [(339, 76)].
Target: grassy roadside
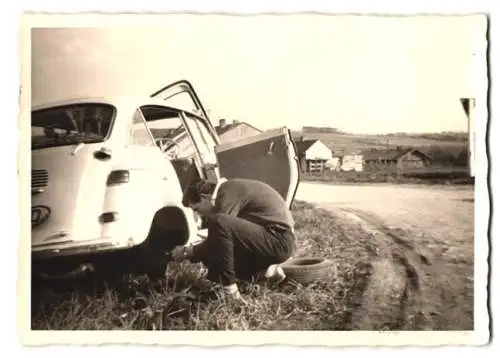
[(187, 302), (432, 176)]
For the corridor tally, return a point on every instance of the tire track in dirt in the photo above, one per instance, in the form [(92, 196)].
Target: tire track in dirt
[(430, 252), (391, 300)]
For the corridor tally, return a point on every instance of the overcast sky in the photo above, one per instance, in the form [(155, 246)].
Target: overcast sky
[(357, 73)]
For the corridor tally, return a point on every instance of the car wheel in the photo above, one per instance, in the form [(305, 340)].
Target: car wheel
[(157, 271), (152, 262), (307, 270)]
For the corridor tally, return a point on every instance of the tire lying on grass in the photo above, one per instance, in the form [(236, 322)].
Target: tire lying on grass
[(306, 270)]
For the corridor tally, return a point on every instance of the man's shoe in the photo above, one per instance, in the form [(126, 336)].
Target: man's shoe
[(275, 273), (233, 293)]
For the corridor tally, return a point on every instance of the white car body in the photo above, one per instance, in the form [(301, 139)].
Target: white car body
[(120, 191)]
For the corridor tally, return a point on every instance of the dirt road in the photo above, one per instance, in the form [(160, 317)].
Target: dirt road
[(442, 212), (425, 248)]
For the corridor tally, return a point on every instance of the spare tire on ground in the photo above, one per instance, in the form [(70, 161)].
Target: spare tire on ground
[(307, 270)]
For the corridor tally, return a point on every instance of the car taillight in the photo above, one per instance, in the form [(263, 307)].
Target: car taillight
[(108, 217), (118, 177)]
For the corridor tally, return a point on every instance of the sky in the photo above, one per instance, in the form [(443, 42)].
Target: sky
[(360, 74)]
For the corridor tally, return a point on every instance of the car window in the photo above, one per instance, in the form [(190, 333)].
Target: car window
[(204, 139), (139, 133), (169, 132), (180, 96), (71, 124)]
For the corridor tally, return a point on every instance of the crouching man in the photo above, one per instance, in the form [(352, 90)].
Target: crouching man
[(249, 227)]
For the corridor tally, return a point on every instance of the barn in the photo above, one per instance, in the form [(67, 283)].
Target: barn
[(313, 155), (230, 132), (398, 159)]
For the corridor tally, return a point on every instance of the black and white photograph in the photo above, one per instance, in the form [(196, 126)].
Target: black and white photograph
[(318, 173)]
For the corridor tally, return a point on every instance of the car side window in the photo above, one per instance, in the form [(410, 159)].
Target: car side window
[(203, 137), (169, 132), (139, 132)]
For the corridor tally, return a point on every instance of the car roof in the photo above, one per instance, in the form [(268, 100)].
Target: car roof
[(117, 101)]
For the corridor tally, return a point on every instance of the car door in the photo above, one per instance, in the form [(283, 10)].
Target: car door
[(270, 157), (182, 96)]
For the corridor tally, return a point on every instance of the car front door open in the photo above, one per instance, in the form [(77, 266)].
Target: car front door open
[(270, 157)]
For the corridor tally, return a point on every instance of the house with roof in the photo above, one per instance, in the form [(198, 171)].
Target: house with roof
[(352, 161), (314, 155), (230, 132), (399, 159)]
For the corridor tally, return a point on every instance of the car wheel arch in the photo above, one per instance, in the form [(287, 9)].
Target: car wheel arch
[(169, 228)]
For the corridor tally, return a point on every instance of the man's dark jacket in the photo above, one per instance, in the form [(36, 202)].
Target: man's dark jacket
[(254, 201)]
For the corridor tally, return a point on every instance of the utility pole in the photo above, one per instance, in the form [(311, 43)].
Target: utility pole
[(469, 105)]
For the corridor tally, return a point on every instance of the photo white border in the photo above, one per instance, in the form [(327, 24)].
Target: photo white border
[(307, 338)]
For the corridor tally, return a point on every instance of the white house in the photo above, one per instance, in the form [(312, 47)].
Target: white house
[(352, 161), (313, 154)]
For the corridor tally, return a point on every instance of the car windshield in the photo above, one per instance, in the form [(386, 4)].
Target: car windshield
[(69, 125)]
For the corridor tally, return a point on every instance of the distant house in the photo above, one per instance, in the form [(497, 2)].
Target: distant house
[(313, 154), (334, 164), (352, 162), (398, 159), (229, 132)]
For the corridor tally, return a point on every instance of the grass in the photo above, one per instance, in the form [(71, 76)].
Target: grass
[(186, 301), (449, 176)]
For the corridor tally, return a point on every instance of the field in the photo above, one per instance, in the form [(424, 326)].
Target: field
[(387, 277), (352, 142), (447, 152)]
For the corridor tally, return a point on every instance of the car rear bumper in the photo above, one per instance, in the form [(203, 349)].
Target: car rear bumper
[(70, 260), (79, 270), (100, 245), (74, 259)]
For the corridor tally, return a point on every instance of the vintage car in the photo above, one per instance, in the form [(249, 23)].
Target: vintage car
[(108, 176)]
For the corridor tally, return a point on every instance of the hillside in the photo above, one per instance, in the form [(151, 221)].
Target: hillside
[(345, 142)]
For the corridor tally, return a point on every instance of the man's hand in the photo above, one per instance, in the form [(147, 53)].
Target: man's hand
[(199, 220), (181, 253)]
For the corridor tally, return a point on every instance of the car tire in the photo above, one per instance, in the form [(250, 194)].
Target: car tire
[(307, 270), (157, 271), (153, 263)]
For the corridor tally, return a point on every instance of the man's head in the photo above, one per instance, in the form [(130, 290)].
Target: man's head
[(200, 190)]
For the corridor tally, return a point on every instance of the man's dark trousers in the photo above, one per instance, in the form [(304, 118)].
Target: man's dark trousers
[(238, 249)]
